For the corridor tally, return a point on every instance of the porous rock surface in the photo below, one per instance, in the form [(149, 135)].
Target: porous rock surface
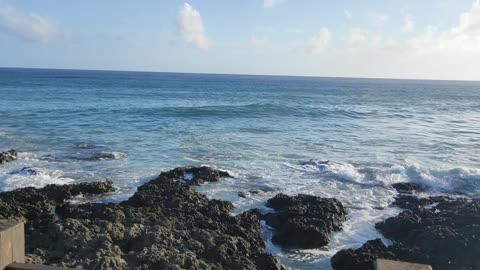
[(304, 221), (441, 231), (8, 156), (166, 224)]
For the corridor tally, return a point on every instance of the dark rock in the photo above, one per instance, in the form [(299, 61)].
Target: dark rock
[(166, 224), (441, 231), (365, 257), (27, 171), (408, 188), (245, 194), (8, 156), (87, 155), (195, 175), (362, 258), (304, 221)]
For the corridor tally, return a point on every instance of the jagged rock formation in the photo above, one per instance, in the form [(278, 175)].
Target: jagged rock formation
[(304, 221), (166, 224), (8, 156)]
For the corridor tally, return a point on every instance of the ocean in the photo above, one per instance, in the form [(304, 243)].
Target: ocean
[(332, 137)]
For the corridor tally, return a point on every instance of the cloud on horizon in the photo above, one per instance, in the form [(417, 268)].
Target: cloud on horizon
[(272, 3), (464, 37), (27, 26), (191, 28), (408, 24), (320, 41)]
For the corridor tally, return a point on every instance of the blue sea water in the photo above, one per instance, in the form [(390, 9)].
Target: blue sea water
[(274, 134)]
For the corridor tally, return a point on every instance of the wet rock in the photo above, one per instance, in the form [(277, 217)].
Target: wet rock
[(195, 175), (441, 231), (304, 221), (87, 155), (364, 257), (408, 188), (28, 171), (8, 156), (251, 192), (166, 224)]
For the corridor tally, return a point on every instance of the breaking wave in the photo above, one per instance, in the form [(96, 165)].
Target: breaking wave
[(460, 180), (33, 177)]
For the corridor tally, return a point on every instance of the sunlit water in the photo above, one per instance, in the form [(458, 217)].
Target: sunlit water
[(273, 133)]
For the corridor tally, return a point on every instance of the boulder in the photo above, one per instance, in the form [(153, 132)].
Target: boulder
[(408, 188), (8, 156), (440, 231), (304, 221)]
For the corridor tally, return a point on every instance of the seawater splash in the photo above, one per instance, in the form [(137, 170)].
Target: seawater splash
[(461, 180), (34, 177), (337, 170)]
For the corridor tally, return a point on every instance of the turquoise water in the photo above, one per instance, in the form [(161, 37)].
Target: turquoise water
[(273, 133)]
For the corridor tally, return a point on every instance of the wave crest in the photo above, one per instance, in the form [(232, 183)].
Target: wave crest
[(459, 180), (33, 177), (337, 170)]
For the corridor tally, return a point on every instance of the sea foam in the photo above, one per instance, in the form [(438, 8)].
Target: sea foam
[(34, 177)]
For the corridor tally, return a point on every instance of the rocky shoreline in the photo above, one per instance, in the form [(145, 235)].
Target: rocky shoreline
[(167, 224), (441, 231)]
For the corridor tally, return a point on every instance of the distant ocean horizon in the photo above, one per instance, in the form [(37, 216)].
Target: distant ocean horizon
[(348, 138), (232, 74)]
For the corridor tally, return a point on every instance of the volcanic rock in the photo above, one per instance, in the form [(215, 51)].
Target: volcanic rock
[(304, 221), (408, 188), (166, 224), (8, 156), (441, 231)]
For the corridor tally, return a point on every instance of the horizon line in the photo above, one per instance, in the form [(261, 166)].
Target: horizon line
[(242, 74)]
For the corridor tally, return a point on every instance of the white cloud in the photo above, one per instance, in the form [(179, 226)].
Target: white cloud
[(461, 38), (320, 41), (470, 21), (362, 40), (27, 26), (258, 42), (408, 24), (357, 38), (378, 19), (347, 14), (272, 3), (191, 27)]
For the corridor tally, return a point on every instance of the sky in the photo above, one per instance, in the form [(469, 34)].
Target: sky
[(409, 39)]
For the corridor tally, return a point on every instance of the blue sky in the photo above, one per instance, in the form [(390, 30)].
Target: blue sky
[(431, 39)]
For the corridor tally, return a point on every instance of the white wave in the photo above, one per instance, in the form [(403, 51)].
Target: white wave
[(41, 178), (338, 170), (461, 180)]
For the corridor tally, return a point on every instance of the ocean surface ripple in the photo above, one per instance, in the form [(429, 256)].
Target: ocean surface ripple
[(344, 138)]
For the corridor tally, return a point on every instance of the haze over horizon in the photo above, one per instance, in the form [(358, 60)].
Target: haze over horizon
[(392, 39)]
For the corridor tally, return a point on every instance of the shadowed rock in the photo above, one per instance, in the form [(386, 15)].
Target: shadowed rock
[(8, 156), (166, 224), (408, 188), (28, 171), (304, 221), (364, 258), (441, 231)]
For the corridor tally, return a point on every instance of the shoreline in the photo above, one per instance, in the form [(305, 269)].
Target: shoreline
[(123, 234)]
